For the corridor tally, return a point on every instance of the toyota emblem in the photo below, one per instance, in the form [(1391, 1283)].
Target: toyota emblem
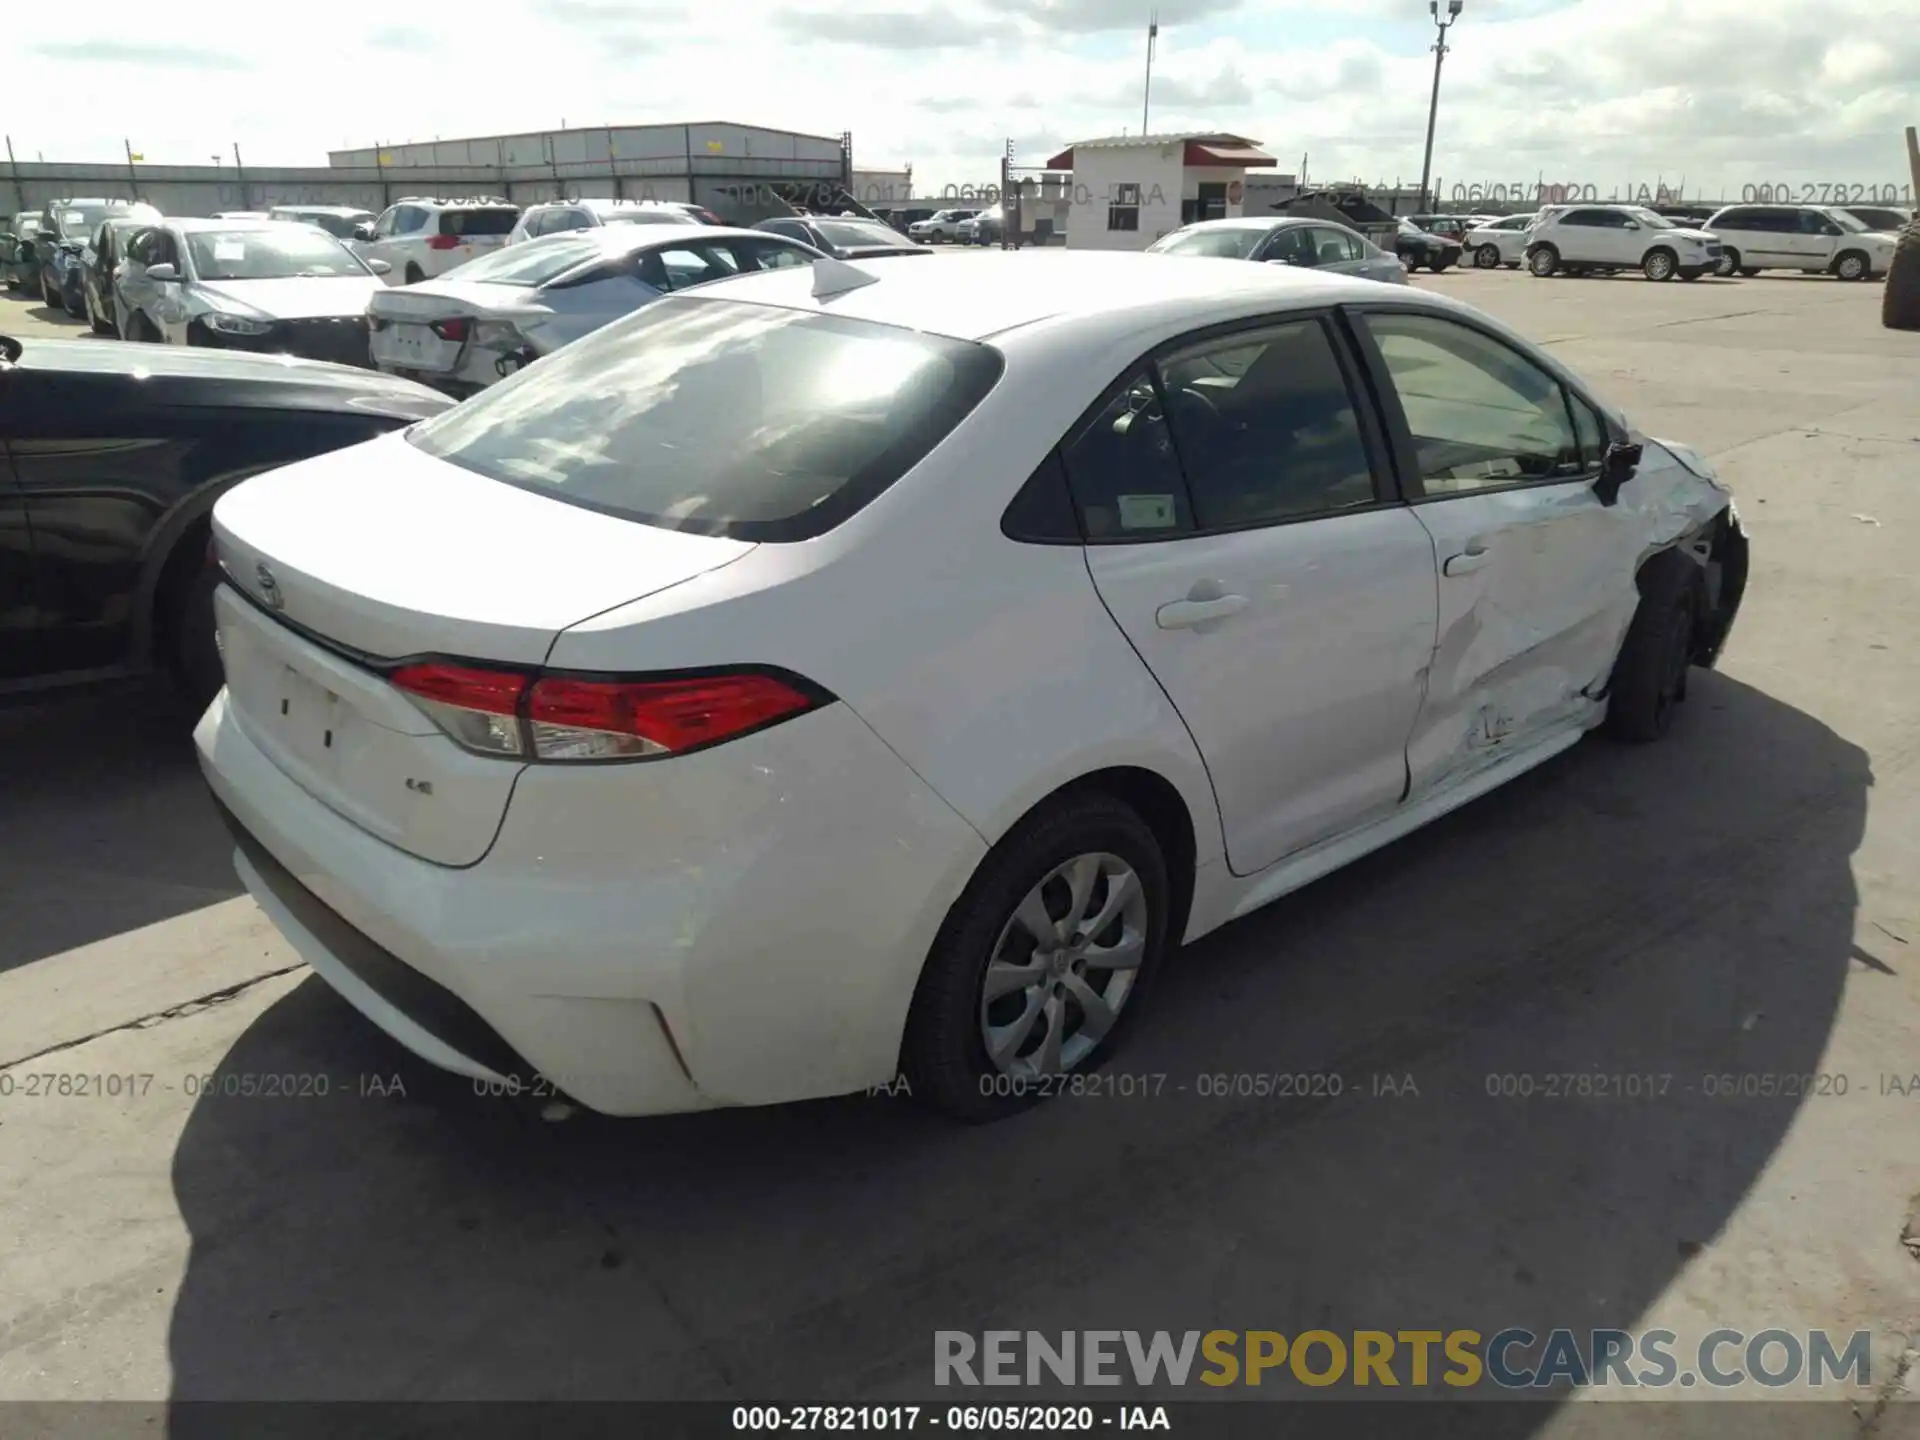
[(269, 587)]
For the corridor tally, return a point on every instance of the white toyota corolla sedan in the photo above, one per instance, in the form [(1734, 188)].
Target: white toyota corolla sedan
[(843, 672)]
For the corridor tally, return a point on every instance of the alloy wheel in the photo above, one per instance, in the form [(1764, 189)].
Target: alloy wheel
[(1063, 966)]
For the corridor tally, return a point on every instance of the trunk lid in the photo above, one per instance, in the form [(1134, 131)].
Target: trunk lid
[(380, 552)]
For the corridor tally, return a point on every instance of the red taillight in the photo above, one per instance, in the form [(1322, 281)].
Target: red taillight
[(442, 242), (451, 329), (478, 708), (560, 718)]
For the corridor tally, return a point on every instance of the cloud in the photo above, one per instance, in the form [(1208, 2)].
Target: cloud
[(116, 52), (403, 38), (1093, 17), (889, 29)]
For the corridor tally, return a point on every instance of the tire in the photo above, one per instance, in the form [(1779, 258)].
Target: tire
[(1900, 302), (1852, 265), (1650, 676), (47, 297), (1659, 263), (100, 327), (1487, 257), (1692, 272), (1729, 262), (1543, 261), (193, 658), (414, 274), (1438, 264), (1749, 271), (944, 1053)]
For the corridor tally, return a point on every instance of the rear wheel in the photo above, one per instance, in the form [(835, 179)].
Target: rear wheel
[(193, 650), (1650, 676), (1749, 271), (1439, 263), (1729, 262), (414, 274), (1543, 260), (1042, 962)]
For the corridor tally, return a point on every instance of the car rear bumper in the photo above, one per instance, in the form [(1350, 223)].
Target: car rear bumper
[(743, 926)]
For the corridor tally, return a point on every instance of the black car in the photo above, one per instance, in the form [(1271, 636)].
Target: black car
[(111, 457), (1419, 250), (844, 237)]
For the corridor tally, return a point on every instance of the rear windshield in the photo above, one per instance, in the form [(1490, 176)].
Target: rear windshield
[(1226, 243), (721, 418), (533, 262), (856, 232), (479, 222)]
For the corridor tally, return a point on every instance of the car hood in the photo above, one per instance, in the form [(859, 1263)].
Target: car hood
[(1705, 237), (298, 298)]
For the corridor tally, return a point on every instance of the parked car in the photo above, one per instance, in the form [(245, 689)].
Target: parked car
[(65, 228), (100, 271), (1816, 239), (118, 455), (1419, 250), (841, 671), (1499, 243), (844, 239), (941, 225), (1307, 243), (1885, 219), (261, 285), (500, 313), (1605, 239), (18, 263), (420, 238), (564, 215), (240, 215), (1451, 227), (340, 221)]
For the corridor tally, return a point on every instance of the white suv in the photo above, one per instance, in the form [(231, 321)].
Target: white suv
[(1818, 239), (941, 225), (1585, 239), (421, 238)]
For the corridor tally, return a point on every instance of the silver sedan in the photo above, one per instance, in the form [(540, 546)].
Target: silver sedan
[(1304, 243)]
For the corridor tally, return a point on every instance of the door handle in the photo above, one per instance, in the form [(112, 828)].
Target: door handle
[(1468, 561), (1185, 614)]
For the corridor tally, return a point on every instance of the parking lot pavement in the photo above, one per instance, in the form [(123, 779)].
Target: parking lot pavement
[(25, 318), (1741, 900)]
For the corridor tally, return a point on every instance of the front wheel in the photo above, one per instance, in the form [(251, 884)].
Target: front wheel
[(1439, 263), (100, 326), (1851, 266), (1658, 265), (414, 274), (1487, 257), (1041, 963), (47, 297), (1650, 675), (1543, 260)]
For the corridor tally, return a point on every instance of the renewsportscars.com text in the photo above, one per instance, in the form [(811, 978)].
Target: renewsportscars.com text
[(1511, 1359)]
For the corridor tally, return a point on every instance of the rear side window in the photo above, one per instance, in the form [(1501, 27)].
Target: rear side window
[(490, 221), (720, 418)]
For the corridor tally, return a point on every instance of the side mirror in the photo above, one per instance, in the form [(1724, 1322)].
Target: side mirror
[(1617, 467), (1830, 229), (363, 231), (163, 273), (379, 267), (1633, 224)]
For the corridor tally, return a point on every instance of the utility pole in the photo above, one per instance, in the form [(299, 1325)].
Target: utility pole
[(1441, 23), (133, 176), (240, 171), (1146, 92), (19, 190)]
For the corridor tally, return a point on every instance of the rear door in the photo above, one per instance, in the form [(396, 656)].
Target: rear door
[(1243, 532), (1536, 575)]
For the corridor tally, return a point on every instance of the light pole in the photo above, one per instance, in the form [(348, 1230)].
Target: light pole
[(1441, 22)]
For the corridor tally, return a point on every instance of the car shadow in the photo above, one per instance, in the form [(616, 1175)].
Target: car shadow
[(46, 314), (1666, 913), (107, 824)]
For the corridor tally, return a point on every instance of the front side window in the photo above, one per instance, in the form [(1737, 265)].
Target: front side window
[(1481, 415), (721, 418), (1265, 427)]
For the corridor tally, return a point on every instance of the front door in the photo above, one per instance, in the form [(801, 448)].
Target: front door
[(1536, 575), (1243, 534)]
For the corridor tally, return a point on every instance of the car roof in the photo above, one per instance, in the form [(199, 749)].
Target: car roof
[(325, 209), (989, 294), (192, 224), (1253, 222)]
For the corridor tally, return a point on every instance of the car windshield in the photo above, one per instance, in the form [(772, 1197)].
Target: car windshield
[(532, 263), (721, 418), (1229, 242), (1652, 219), (1847, 222), (855, 232), (270, 252), (646, 217)]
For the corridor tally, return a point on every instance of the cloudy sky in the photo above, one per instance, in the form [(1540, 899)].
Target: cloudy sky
[(1604, 92)]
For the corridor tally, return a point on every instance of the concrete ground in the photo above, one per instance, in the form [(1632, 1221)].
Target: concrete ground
[(1743, 899)]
